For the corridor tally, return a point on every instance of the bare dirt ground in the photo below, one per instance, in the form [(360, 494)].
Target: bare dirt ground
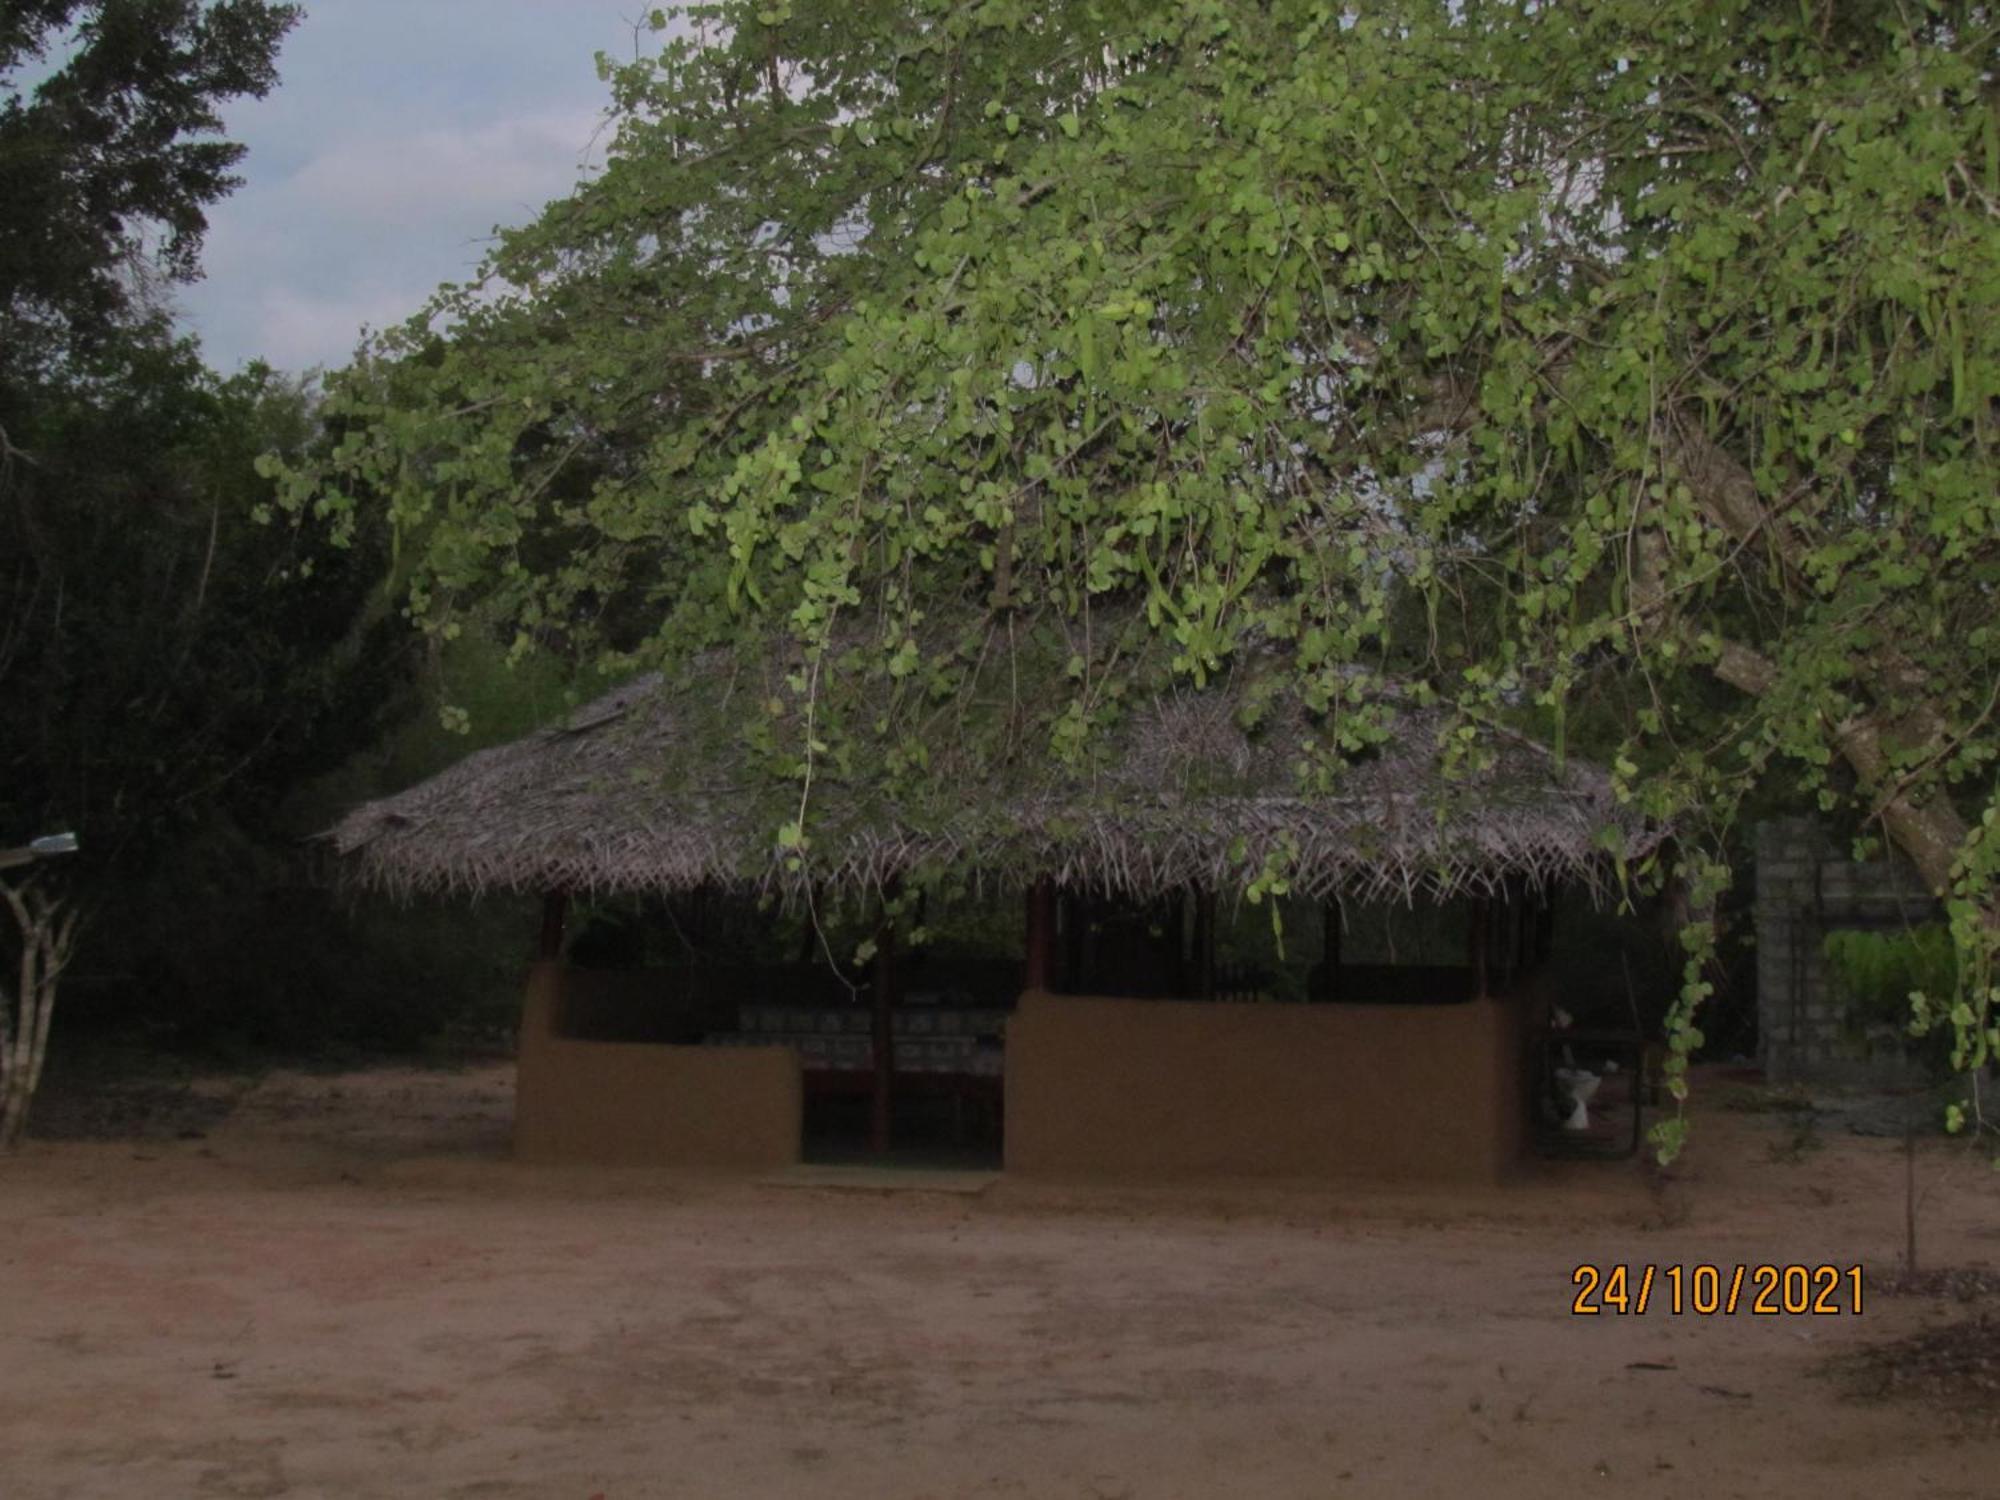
[(344, 1288)]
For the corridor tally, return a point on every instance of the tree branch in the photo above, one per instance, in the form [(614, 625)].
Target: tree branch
[(1931, 833)]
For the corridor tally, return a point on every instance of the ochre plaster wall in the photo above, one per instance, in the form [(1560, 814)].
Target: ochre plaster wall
[(1167, 1087), (648, 1104)]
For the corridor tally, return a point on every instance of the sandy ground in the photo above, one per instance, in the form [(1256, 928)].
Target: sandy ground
[(345, 1289)]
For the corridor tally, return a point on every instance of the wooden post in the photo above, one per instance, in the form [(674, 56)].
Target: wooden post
[(1204, 938), (1481, 919), (1075, 918), (882, 1092), (695, 920), (809, 933), (1041, 942), (555, 910), (1329, 953)]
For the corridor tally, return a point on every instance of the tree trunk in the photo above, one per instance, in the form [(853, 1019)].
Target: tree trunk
[(47, 930), (1930, 833)]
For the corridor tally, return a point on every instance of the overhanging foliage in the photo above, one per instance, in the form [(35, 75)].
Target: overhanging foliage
[(1620, 365)]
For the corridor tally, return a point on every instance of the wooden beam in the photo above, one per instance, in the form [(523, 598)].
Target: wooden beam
[(555, 912)]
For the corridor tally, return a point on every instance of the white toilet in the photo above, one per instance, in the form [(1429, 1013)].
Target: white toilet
[(1579, 1085)]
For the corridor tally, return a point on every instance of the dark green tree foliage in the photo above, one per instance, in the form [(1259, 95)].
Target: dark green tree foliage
[(160, 652), (151, 639), (170, 669), (110, 159), (1624, 359)]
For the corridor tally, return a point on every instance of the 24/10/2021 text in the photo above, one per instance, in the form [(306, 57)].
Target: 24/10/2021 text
[(1795, 1290)]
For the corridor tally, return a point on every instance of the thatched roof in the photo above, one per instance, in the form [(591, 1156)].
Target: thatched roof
[(638, 792)]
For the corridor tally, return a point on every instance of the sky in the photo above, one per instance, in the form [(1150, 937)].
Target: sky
[(401, 132)]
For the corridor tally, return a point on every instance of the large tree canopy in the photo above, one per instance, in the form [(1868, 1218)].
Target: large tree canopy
[(1632, 356), (169, 669), (160, 653), (144, 653), (110, 154)]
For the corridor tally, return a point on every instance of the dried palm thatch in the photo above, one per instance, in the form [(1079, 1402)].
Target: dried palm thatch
[(641, 791)]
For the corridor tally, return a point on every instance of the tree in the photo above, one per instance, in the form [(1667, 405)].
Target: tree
[(1621, 369), (109, 161), (170, 668), (46, 926), (160, 651), (116, 458), (148, 659)]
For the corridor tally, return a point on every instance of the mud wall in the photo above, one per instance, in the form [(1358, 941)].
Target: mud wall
[(643, 1103), (1105, 1087)]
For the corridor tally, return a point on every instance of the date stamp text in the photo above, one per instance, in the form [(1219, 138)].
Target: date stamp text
[(1707, 1290)]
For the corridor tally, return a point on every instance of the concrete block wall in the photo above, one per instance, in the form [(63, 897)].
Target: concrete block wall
[(1807, 888)]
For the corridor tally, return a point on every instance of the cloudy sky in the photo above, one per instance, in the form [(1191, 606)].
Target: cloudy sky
[(401, 133)]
